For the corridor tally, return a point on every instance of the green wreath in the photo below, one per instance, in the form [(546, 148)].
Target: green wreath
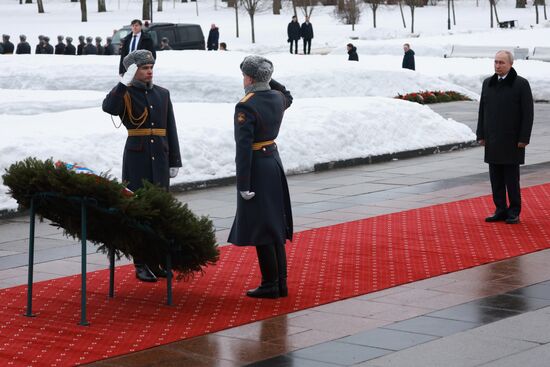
[(147, 224)]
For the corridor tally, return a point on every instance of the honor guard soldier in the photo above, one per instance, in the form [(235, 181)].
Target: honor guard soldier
[(70, 49), (7, 46), (152, 149), (264, 214), (60, 47), (23, 47)]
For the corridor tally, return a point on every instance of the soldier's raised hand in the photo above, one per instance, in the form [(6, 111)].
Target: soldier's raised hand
[(247, 195), (127, 78)]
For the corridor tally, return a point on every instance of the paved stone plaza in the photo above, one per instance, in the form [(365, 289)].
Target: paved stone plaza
[(492, 315)]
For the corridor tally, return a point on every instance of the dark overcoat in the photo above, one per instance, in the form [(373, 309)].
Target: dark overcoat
[(80, 48), (47, 49), (293, 31), (60, 49), (266, 219), (145, 43), (408, 60), (353, 56), (505, 118), (23, 48), (213, 38), (8, 48), (89, 49), (109, 49), (146, 157), (307, 31), (70, 49)]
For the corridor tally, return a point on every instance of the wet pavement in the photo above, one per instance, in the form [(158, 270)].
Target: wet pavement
[(490, 315)]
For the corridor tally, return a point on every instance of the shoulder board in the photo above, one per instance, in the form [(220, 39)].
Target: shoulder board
[(246, 98)]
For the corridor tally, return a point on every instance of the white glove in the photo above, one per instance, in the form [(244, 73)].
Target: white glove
[(247, 195), (128, 76), (174, 171)]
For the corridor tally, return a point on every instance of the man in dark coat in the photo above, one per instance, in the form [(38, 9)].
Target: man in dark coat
[(81, 45), (23, 47), (264, 214), (70, 49), (109, 48), (504, 127), (39, 46), (307, 35), (89, 49), (46, 47), (408, 57), (152, 149), (60, 47), (213, 38), (293, 32), (352, 52), (7, 46), (100, 49), (136, 40)]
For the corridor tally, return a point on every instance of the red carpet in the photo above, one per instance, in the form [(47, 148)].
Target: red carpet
[(325, 265)]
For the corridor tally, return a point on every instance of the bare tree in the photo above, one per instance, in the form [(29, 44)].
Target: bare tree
[(413, 4), (277, 7), (83, 11), (374, 4), (146, 11), (521, 3), (454, 16), (544, 7), (306, 6), (402, 15), (251, 7), (159, 7), (101, 8), (493, 6), (351, 13), (536, 3), (40, 6), (294, 7)]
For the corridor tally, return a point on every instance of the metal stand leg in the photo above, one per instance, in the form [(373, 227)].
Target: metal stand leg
[(169, 278), (84, 219), (111, 273), (31, 260)]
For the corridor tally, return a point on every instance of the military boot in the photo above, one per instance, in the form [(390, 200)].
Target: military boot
[(280, 252), (269, 288)]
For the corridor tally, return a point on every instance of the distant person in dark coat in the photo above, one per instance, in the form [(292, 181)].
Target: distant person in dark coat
[(213, 38), (408, 57), (352, 52), (60, 47), (294, 33), (136, 40), (81, 45), (89, 49), (307, 35), (152, 149), (100, 49), (46, 47), (23, 47), (264, 214), (223, 46), (109, 48), (7, 47), (164, 44), (39, 46), (504, 128), (70, 49)]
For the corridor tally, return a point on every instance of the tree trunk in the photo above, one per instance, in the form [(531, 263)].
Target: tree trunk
[(544, 7), (83, 11), (537, 11), (496, 13), (491, 6), (40, 6), (454, 16), (237, 18), (412, 19), (146, 11), (277, 7), (159, 7), (294, 7), (101, 8), (402, 15), (449, 14), (521, 3), (374, 16), (28, 1), (252, 27)]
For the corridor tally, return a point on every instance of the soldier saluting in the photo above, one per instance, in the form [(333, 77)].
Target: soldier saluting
[(152, 150), (264, 215)]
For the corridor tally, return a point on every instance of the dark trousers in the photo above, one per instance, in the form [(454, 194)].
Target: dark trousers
[(505, 179), (307, 45), (295, 42)]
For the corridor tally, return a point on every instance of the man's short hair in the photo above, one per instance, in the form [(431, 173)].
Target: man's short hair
[(406, 44), (350, 45), (136, 21), (509, 54)]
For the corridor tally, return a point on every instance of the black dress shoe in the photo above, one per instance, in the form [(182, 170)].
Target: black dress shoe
[(158, 271), (144, 274), (263, 291), (513, 219), (283, 288), (497, 217)]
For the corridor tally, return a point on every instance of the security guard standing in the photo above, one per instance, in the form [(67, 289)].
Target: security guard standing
[(264, 214), (152, 150)]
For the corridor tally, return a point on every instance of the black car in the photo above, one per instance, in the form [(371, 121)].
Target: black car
[(180, 36)]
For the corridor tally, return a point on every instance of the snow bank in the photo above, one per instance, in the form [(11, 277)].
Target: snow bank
[(314, 131)]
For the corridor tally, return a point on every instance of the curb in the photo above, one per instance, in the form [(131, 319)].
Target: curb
[(319, 167)]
